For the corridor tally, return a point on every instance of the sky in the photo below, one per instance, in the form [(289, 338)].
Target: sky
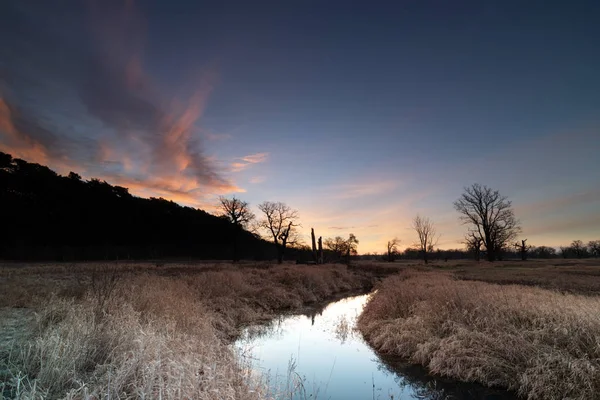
[(360, 115)]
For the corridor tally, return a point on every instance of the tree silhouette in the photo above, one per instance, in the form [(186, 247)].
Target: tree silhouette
[(543, 252), (46, 216), (280, 223), (594, 247), (427, 235), (578, 248), (392, 249), (351, 247), (342, 248), (523, 249), (491, 216), (474, 243), (239, 214), (336, 245)]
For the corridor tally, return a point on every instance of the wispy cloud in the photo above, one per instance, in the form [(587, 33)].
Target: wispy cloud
[(257, 179), (17, 142), (363, 189), (147, 139), (243, 163)]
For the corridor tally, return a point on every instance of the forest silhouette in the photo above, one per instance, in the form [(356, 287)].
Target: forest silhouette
[(46, 216)]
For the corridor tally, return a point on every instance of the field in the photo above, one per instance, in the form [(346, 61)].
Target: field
[(147, 330), (532, 327), (144, 330)]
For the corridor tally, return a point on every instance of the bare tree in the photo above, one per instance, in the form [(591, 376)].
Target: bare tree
[(523, 249), (336, 245), (342, 248), (392, 249), (491, 216), (578, 248), (543, 252), (351, 247), (474, 243), (236, 211), (594, 247), (566, 251), (427, 235), (239, 214), (279, 222)]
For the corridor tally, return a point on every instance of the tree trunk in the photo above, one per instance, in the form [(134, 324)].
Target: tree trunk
[(320, 261), (314, 246), (281, 248)]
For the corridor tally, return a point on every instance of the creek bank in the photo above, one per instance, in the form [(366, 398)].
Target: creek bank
[(319, 353)]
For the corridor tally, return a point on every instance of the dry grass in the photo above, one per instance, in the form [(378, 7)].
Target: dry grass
[(148, 332), (581, 276), (543, 344), (571, 276)]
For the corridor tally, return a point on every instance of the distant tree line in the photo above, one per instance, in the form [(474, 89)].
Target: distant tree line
[(492, 233), (575, 250), (46, 216)]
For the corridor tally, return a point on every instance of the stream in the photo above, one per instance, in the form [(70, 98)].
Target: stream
[(318, 355)]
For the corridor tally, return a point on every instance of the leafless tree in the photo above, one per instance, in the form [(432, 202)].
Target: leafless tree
[(351, 247), (474, 243), (392, 249), (594, 247), (280, 223), (578, 248), (342, 248), (543, 252), (523, 248), (236, 211), (427, 235), (336, 245), (239, 214), (491, 216), (565, 251)]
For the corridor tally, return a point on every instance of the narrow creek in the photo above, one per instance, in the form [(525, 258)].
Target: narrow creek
[(318, 355)]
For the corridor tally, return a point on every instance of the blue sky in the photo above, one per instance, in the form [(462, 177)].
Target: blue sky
[(358, 115)]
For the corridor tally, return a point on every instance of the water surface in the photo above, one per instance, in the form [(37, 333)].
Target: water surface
[(319, 356)]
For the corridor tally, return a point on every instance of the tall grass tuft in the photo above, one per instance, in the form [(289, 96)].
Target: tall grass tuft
[(139, 333), (540, 343)]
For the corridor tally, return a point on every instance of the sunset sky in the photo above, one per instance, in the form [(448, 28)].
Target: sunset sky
[(358, 116)]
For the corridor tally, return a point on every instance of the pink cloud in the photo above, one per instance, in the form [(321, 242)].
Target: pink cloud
[(245, 162)]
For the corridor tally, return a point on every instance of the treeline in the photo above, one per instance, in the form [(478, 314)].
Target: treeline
[(46, 216), (577, 249)]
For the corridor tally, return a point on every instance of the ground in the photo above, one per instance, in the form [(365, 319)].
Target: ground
[(72, 317)]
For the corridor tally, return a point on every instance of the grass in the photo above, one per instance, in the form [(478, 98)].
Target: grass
[(570, 276), (578, 276), (147, 331), (543, 344), (142, 330)]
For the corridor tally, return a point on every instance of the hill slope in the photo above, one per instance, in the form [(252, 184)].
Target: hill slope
[(46, 216)]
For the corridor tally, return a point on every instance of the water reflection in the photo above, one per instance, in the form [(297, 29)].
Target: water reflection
[(320, 355)]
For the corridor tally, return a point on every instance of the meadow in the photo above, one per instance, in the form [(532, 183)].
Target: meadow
[(148, 330), (531, 327), (143, 330)]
